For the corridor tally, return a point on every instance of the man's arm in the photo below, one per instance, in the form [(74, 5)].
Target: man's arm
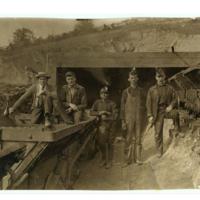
[(94, 111), (149, 104), (122, 107), (63, 95), (174, 98), (27, 94), (114, 111)]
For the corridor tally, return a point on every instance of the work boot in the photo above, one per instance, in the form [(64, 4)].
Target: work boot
[(126, 164), (159, 155), (47, 122), (102, 163), (138, 155), (108, 165), (69, 122)]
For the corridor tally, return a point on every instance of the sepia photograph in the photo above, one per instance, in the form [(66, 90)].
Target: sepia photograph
[(99, 104)]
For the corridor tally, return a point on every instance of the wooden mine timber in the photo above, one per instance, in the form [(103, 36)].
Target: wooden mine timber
[(37, 143), (37, 133)]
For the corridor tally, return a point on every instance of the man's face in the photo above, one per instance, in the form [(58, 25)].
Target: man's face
[(43, 81), (133, 79), (160, 79), (71, 80), (104, 95)]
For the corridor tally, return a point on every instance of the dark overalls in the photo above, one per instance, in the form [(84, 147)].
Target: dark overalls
[(105, 128), (132, 108)]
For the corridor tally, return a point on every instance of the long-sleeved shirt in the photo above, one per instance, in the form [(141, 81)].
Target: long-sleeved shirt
[(160, 97), (104, 105), (76, 95), (35, 91)]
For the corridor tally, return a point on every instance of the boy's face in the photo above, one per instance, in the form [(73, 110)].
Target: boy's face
[(160, 79), (43, 81), (133, 79), (71, 80), (104, 95)]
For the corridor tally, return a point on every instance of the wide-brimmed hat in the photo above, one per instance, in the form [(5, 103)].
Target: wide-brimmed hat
[(43, 74)]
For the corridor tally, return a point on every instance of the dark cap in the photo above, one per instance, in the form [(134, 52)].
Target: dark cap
[(42, 74), (70, 73), (104, 90), (133, 72), (160, 72)]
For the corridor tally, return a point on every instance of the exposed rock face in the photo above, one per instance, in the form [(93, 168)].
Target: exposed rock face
[(104, 48)]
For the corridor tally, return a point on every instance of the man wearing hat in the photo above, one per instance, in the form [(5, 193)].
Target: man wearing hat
[(42, 100), (161, 99), (73, 97), (106, 110), (131, 116)]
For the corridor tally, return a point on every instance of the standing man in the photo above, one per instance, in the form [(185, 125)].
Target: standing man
[(131, 116), (106, 110), (42, 106), (73, 97), (161, 99)]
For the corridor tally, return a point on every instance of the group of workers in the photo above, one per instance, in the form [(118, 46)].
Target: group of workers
[(160, 101)]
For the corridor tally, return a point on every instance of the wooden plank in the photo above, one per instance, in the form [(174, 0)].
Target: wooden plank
[(9, 147), (137, 59), (38, 134)]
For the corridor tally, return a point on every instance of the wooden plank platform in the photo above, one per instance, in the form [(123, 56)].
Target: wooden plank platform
[(37, 133), (10, 147)]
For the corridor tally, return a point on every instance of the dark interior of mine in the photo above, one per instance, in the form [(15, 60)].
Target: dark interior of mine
[(115, 78)]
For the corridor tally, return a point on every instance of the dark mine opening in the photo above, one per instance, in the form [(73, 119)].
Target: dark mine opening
[(116, 78)]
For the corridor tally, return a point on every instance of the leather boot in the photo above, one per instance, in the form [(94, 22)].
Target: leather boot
[(138, 155), (127, 156), (47, 122), (108, 165)]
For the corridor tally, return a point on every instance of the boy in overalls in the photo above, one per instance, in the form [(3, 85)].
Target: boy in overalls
[(131, 116)]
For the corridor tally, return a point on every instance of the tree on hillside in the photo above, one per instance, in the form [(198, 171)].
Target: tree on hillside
[(23, 37), (84, 26)]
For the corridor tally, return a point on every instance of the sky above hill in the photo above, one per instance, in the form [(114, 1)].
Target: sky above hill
[(41, 27)]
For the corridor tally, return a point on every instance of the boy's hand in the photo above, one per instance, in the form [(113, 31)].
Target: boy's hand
[(168, 109), (102, 112), (103, 117), (69, 110), (73, 106), (124, 125), (150, 119), (11, 110)]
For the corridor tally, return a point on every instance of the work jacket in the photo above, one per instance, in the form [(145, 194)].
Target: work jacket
[(79, 97), (159, 98), (34, 91)]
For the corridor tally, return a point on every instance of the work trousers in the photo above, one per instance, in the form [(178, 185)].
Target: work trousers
[(76, 116), (133, 141), (43, 108), (105, 140), (159, 122)]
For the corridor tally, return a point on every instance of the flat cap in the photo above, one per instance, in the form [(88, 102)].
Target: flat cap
[(70, 73), (160, 72), (42, 74), (133, 72)]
